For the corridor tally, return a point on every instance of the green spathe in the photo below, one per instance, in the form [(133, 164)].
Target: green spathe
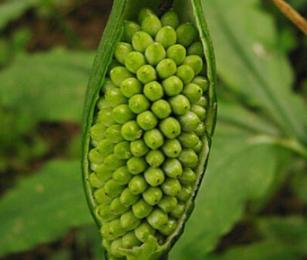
[(153, 118)]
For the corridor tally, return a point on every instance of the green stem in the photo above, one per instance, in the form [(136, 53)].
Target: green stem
[(290, 144)]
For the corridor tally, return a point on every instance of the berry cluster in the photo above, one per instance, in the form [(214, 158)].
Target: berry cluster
[(148, 132)]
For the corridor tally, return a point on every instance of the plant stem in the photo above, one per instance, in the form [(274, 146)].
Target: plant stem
[(292, 14), (290, 144)]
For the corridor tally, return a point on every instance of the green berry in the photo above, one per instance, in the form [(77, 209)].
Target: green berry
[(161, 108), (172, 85), (154, 176), (188, 176), (101, 196), (122, 114), (170, 18), (114, 248), (185, 73), (155, 158), (166, 36), (198, 148), (166, 68), (170, 127), (136, 165), (169, 227), (171, 187), (147, 120), (127, 198), (105, 117), (186, 34), (144, 12), (138, 103), (153, 195), (141, 209), (195, 62), (134, 60), (151, 24), (172, 168), (105, 147), (189, 140), (188, 158), (117, 207), (113, 133), (196, 49), (94, 181), (199, 111), (118, 74), (153, 139), (200, 129), (137, 185), (97, 133), (130, 131), (138, 148), (180, 104), (178, 211), (202, 82), (185, 193), (172, 148), (141, 40), (189, 121), (130, 28), (202, 101), (143, 231), (95, 157), (193, 92), (113, 188), (104, 213), (153, 90), (122, 175), (121, 51), (146, 73), (122, 150), (130, 87), (130, 240), (112, 230), (154, 53), (157, 218), (168, 203), (129, 221), (114, 97), (176, 52)]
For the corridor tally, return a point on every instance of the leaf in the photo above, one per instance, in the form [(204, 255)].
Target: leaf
[(284, 238), (251, 63), (267, 250), (41, 208), (47, 86), (236, 175), (290, 231), (299, 184), (12, 9)]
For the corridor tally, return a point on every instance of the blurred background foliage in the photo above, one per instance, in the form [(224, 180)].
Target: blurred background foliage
[(253, 202)]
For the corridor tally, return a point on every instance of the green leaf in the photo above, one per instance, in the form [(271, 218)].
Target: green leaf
[(299, 184), (284, 238), (291, 231), (12, 9), (47, 86), (236, 175), (267, 250), (251, 63), (42, 207)]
